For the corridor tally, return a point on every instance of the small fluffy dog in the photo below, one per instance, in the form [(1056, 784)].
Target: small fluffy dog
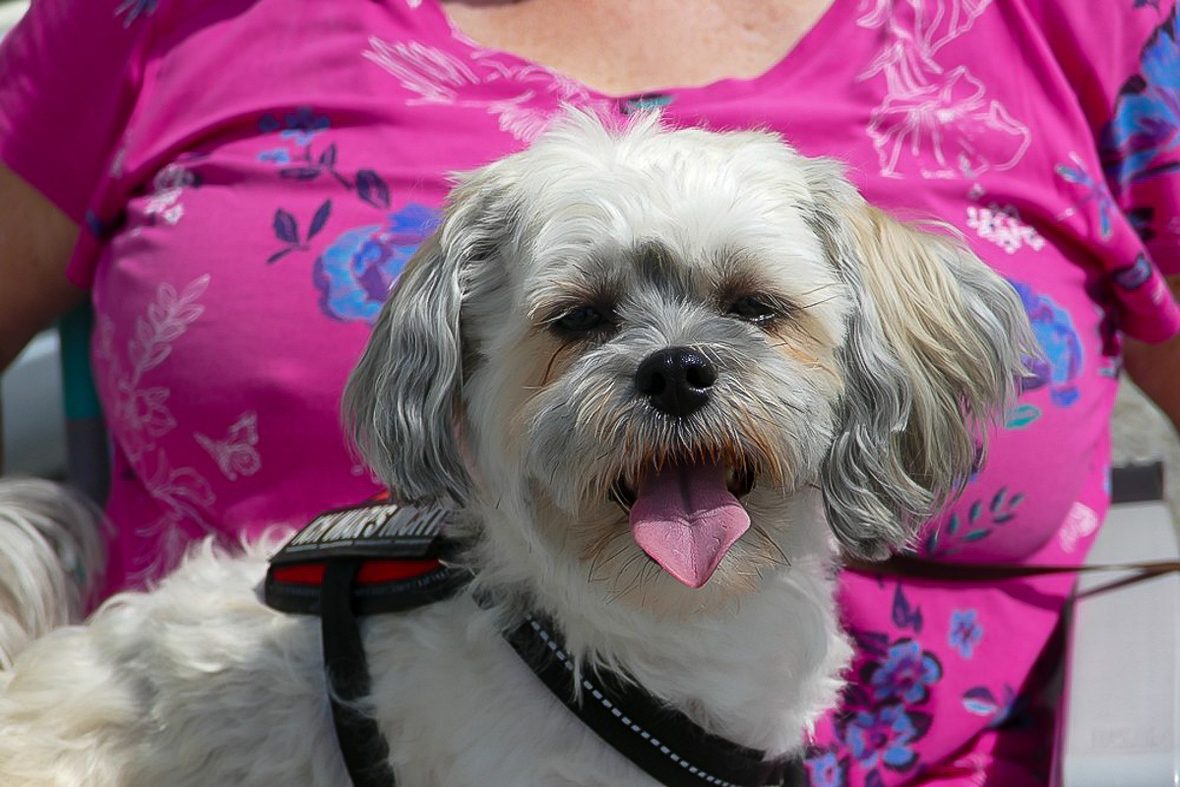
[(661, 377)]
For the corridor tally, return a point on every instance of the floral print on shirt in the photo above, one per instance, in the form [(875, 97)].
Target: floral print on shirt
[(1141, 140), (355, 273), (884, 711)]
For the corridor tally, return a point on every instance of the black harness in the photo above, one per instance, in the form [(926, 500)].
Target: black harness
[(384, 558)]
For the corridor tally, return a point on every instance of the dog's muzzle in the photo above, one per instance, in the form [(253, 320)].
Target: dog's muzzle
[(684, 508)]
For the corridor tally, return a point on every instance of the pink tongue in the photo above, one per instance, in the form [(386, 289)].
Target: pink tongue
[(686, 519)]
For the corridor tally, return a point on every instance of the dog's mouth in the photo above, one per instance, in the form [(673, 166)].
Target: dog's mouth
[(739, 480), (686, 513)]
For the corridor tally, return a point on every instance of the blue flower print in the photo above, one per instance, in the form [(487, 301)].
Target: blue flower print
[(303, 161), (303, 125), (1094, 190), (1059, 341), (883, 735), (275, 156), (826, 769), (906, 674), (355, 273), (964, 632), (1146, 121), (299, 126)]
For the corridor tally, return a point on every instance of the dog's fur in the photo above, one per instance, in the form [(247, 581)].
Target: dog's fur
[(51, 561), (856, 361)]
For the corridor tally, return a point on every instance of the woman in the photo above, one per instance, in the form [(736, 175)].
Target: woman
[(249, 177)]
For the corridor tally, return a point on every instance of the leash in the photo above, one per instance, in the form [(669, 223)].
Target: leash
[(1133, 483), (380, 559), (906, 566)]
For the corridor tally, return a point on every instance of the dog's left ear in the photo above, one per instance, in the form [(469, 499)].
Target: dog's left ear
[(402, 402), (933, 351)]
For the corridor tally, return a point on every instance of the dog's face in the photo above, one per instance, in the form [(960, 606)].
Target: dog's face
[(662, 352)]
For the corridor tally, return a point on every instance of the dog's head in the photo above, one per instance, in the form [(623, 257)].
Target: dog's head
[(681, 344)]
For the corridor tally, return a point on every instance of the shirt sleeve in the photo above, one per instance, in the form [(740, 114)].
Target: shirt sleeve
[(1123, 62), (69, 73), (1140, 141)]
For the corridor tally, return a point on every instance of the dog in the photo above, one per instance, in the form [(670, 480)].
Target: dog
[(51, 561), (660, 379)]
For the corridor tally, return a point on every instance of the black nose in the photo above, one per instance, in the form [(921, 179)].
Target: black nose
[(676, 380)]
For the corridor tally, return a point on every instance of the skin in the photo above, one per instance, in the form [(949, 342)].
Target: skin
[(36, 240), (1155, 368), (623, 47)]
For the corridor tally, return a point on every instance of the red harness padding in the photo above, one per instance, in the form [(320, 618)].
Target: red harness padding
[(372, 572), (361, 561), (398, 554)]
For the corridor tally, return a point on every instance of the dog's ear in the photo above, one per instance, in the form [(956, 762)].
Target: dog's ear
[(933, 351), (403, 400)]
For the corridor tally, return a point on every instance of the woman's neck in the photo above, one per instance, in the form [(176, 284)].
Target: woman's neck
[(627, 47)]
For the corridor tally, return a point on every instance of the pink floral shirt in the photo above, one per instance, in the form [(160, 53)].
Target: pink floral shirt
[(251, 176)]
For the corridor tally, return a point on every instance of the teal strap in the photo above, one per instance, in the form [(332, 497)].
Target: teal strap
[(80, 394)]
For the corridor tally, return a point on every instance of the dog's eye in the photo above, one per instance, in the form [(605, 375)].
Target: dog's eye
[(582, 319), (752, 308)]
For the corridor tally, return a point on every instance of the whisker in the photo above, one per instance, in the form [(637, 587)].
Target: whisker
[(819, 288), (783, 559), (817, 303)]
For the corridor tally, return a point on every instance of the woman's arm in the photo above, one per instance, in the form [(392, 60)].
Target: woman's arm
[(1155, 368), (36, 241)]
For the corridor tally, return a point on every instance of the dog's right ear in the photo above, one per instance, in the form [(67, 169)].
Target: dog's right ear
[(934, 347), (402, 402)]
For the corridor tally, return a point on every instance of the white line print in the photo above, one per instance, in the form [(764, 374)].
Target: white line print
[(1096, 191), (438, 77), (1080, 523), (932, 114), (1003, 227), (167, 188), (139, 414), (236, 455)]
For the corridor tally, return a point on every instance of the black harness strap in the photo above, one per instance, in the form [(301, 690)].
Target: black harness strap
[(383, 558), (366, 754), (660, 740)]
